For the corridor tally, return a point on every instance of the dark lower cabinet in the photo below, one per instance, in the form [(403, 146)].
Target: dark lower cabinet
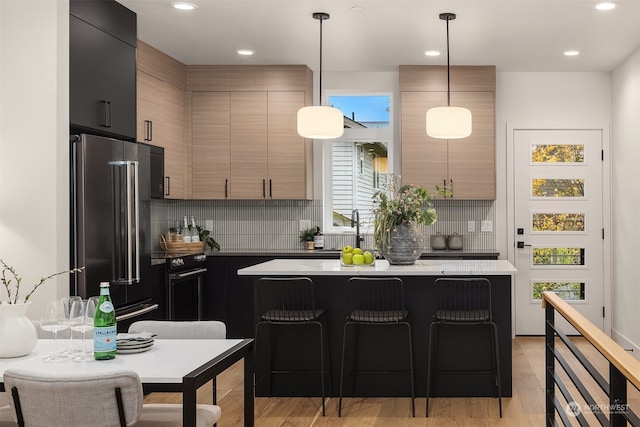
[(102, 69)]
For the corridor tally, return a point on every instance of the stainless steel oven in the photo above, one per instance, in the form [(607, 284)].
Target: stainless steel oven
[(184, 281)]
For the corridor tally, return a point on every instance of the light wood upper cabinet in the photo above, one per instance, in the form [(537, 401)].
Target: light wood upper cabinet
[(211, 144), (468, 163), (244, 140), (287, 162), (161, 113), (248, 145)]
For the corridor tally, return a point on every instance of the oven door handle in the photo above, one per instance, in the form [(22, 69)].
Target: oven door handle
[(137, 312), (178, 276)]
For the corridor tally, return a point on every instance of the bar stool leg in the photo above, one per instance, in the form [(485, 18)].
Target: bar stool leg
[(496, 349), (430, 362), (344, 344), (413, 390)]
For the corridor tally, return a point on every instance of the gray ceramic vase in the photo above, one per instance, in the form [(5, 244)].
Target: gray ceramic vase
[(404, 245)]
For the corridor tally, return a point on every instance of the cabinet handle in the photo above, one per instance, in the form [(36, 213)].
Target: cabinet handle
[(451, 187), (270, 189), (264, 189), (148, 128), (226, 188), (168, 178), (104, 114)]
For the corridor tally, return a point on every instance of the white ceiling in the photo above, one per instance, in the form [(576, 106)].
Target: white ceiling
[(514, 35)]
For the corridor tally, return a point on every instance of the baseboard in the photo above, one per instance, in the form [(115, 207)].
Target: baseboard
[(626, 343)]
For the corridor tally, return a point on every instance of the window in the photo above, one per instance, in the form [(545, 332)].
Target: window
[(357, 164)]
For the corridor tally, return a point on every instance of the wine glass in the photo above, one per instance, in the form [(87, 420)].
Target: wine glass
[(67, 303), (82, 313), (53, 320)]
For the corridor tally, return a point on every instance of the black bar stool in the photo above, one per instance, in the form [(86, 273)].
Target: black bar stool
[(376, 301), (290, 301), (463, 302)]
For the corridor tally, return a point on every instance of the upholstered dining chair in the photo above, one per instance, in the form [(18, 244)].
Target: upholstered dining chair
[(186, 330), (102, 400)]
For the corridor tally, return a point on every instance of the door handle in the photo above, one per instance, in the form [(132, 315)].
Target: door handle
[(521, 245)]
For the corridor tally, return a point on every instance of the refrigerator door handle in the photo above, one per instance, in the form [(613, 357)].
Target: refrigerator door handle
[(127, 223)]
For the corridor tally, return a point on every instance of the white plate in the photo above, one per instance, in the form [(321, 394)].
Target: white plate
[(132, 350), (134, 345)]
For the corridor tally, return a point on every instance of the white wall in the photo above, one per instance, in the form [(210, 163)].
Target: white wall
[(546, 100), (626, 201), (34, 165)]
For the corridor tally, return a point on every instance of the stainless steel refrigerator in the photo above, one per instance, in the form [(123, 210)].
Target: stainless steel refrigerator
[(111, 221)]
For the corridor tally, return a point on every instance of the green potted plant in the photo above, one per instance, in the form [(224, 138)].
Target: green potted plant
[(398, 212), (306, 236)]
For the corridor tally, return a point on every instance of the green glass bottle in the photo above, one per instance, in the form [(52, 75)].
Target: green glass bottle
[(104, 326)]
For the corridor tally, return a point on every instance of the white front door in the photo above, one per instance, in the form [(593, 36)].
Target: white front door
[(558, 200)]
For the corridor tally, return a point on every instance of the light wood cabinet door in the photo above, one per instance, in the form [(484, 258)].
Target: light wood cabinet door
[(472, 159), (286, 149), (211, 144), (248, 119), (160, 122), (468, 163), (424, 159)]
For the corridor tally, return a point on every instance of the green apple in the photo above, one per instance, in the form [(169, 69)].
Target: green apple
[(347, 249), (368, 257), (357, 251), (347, 258), (358, 259)]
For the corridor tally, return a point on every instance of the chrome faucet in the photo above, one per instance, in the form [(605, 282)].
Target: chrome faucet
[(355, 219)]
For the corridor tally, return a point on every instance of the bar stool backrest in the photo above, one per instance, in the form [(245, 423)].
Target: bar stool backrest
[(463, 300), (376, 299), (289, 299)]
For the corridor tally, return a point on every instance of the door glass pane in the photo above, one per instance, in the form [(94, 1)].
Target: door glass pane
[(557, 153), (558, 256), (557, 187), (557, 222), (571, 291)]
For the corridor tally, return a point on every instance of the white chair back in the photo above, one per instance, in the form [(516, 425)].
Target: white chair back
[(74, 401)]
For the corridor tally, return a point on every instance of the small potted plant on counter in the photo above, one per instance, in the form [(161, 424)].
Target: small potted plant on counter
[(307, 236)]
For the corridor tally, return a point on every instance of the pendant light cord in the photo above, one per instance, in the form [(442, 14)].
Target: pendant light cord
[(320, 83), (448, 70)]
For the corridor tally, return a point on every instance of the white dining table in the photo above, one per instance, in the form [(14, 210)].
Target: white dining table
[(167, 366)]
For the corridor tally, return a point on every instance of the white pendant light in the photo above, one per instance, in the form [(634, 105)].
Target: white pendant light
[(448, 122), (318, 122)]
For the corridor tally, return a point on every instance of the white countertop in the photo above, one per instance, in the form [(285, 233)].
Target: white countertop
[(423, 267)]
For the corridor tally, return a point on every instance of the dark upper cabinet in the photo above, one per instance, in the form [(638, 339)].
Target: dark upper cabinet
[(102, 68)]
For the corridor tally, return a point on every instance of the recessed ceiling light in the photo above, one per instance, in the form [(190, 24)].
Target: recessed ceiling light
[(606, 6), (432, 53), (571, 53), (184, 5), (357, 8), (245, 52)]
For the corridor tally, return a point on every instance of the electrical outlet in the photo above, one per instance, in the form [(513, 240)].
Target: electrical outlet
[(305, 224), (486, 226), (208, 224), (471, 226)]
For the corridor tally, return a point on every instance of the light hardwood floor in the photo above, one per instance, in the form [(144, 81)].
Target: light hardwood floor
[(524, 408)]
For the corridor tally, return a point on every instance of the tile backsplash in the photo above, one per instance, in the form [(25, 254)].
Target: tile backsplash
[(274, 224)]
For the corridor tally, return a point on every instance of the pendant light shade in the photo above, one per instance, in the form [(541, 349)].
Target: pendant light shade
[(318, 122), (449, 122)]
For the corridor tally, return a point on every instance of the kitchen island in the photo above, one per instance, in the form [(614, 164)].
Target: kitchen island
[(459, 348)]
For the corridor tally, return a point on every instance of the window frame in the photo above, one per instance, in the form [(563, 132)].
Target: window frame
[(356, 136)]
